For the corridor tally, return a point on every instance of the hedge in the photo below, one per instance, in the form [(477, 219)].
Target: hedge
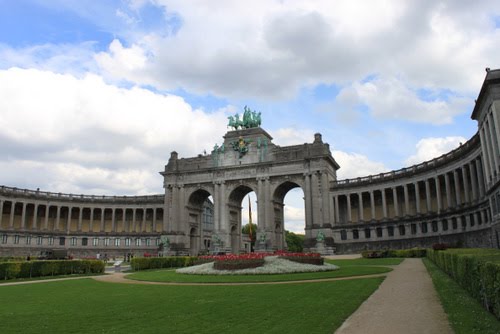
[(28, 269), (413, 252), (144, 263), (476, 270)]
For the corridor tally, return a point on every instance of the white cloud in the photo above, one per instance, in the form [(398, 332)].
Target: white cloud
[(356, 165), (94, 136), (430, 148)]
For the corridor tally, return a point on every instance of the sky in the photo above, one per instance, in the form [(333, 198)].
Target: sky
[(94, 95)]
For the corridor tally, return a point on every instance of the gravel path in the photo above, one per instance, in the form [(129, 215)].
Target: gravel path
[(405, 302)]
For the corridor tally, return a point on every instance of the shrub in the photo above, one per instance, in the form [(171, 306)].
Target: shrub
[(413, 252), (144, 263), (28, 269), (440, 246), (476, 270)]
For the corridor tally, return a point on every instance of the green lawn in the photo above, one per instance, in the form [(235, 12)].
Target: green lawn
[(88, 306), (466, 315)]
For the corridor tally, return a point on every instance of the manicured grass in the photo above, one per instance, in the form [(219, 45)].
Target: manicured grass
[(88, 306), (43, 278), (466, 315), (169, 275), (362, 262)]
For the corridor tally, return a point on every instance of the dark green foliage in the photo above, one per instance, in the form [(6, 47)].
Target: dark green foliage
[(465, 313), (144, 263), (475, 270), (413, 252), (295, 242), (28, 269)]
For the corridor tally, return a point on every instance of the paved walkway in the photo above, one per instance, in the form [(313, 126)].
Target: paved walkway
[(405, 302)]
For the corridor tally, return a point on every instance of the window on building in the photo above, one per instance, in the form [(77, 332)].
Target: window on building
[(5, 238), (51, 241), (368, 233), (157, 242), (390, 231), (464, 223), (454, 224), (343, 235), (402, 230), (16, 239), (413, 228), (471, 218), (127, 241), (85, 241), (445, 224), (106, 242), (148, 242), (434, 226), (73, 241), (423, 227), (95, 242), (379, 232), (479, 219), (355, 234), (117, 242), (28, 240), (39, 240), (62, 241), (138, 242)]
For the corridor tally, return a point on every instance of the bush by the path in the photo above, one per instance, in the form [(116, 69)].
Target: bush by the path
[(476, 270), (413, 252), (144, 263), (28, 269)]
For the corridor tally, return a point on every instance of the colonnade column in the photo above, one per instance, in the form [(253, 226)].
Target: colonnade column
[(360, 207), (23, 217), (494, 143), (80, 218), (307, 200), (91, 223), (466, 185), (417, 198), (153, 227), (473, 179), (438, 194), (407, 200), (480, 176), (384, 204), (337, 209), (35, 216), (327, 215), (372, 204), (58, 218), (46, 222), (103, 211), (113, 224), (143, 224), (134, 220), (428, 195), (448, 190), (349, 216), (457, 188), (68, 221), (395, 201), (124, 222)]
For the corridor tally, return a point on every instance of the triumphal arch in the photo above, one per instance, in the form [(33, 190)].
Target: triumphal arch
[(247, 160)]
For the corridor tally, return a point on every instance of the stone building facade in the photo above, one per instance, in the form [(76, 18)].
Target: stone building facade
[(454, 198)]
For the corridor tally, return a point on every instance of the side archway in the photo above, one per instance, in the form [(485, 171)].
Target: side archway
[(279, 212), (196, 217)]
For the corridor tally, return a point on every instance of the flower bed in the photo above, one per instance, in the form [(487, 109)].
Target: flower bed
[(309, 258), (236, 262)]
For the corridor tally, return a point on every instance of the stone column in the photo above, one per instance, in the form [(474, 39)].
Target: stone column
[(494, 141), (407, 200), (1, 212), (167, 223), (23, 217), (91, 223), (481, 181), (438, 194), (124, 222), (395, 201), (466, 184), (485, 150), (103, 211), (384, 204), (496, 126), (80, 218), (361, 209), (68, 222), (35, 216), (428, 195), (58, 218), (269, 206), (46, 222), (224, 211), (153, 227), (417, 198), (337, 209), (113, 223), (457, 188), (448, 190), (182, 223), (134, 219), (473, 179), (349, 217), (325, 199), (316, 214), (143, 224), (372, 204), (217, 206), (308, 200)]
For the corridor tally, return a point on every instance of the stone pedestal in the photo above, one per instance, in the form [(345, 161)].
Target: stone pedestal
[(322, 249)]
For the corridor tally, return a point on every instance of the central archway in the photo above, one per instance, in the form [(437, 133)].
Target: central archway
[(279, 195), (235, 216)]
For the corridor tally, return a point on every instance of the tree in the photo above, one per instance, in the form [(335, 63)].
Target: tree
[(246, 230), (294, 241)]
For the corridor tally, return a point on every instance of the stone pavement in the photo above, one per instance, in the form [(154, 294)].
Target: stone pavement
[(406, 302)]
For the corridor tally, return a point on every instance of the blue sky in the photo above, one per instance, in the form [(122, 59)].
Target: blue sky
[(95, 94)]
